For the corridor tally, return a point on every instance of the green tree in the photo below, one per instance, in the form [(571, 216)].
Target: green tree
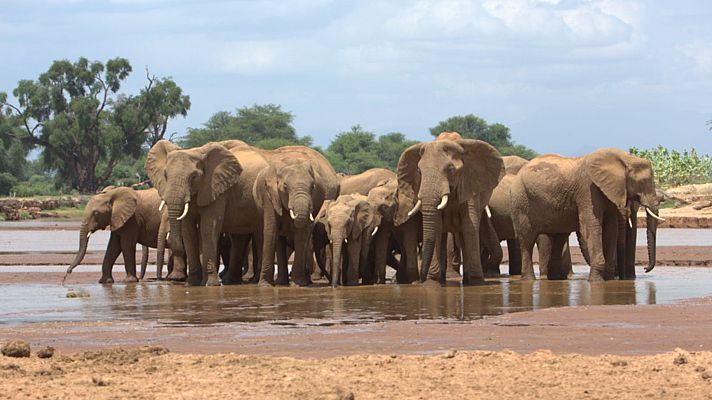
[(391, 146), (473, 127), (12, 151), (265, 126), (75, 114), (354, 151)]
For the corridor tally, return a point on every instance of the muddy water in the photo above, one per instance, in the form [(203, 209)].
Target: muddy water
[(64, 237), (169, 304)]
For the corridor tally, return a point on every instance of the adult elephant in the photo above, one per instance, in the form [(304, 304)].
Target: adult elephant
[(132, 216), (207, 191), (289, 192), (557, 195), (450, 182), (365, 181)]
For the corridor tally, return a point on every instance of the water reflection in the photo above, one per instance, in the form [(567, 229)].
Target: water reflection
[(170, 304)]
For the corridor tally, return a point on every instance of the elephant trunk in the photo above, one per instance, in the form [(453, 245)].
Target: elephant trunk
[(83, 241), (432, 231), (337, 247), (161, 250), (301, 208), (652, 227), (174, 212)]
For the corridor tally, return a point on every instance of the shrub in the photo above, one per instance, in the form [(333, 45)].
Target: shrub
[(673, 168)]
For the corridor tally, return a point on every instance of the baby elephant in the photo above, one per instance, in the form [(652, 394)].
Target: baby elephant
[(348, 220), (132, 216)]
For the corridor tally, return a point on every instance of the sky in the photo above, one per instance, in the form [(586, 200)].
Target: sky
[(567, 76)]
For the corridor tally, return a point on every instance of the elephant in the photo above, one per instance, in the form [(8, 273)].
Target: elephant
[(133, 217), (290, 192), (349, 220), (594, 195), (449, 182), (207, 191), (365, 181)]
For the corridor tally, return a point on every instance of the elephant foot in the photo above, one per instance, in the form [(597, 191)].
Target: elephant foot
[(351, 283), (282, 282), (473, 282), (228, 281), (300, 282), (528, 277), (265, 284), (452, 274), (176, 276), (212, 281), (106, 279), (431, 283), (595, 277), (130, 279)]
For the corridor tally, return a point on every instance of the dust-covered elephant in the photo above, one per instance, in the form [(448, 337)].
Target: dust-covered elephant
[(290, 192), (594, 194), (208, 191), (133, 217), (449, 182), (349, 221)]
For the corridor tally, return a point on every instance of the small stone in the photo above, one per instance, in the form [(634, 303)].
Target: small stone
[(681, 359), (16, 348), (450, 353), (47, 352), (700, 369), (619, 363), (338, 393), (706, 376), (99, 381)]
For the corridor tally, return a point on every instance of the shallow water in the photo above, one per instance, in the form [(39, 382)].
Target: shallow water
[(171, 304)]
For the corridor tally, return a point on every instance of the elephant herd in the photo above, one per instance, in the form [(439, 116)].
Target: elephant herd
[(450, 204)]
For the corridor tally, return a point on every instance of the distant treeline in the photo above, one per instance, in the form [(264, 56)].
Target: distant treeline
[(89, 134)]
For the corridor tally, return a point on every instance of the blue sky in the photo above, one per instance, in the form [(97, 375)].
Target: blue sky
[(566, 76)]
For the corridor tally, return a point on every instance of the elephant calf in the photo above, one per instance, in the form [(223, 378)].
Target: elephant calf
[(132, 216)]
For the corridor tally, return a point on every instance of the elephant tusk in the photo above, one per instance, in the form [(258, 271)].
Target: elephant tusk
[(292, 214), (160, 207), (630, 222), (652, 214), (415, 208), (346, 241), (489, 213), (311, 217), (443, 203), (185, 212), (374, 231), (88, 234), (168, 235), (331, 241)]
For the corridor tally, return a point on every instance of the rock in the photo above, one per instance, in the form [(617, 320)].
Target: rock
[(680, 359), (98, 381), (47, 352), (17, 348), (450, 353), (338, 393)]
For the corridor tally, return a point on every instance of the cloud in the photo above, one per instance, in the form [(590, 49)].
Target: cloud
[(699, 54)]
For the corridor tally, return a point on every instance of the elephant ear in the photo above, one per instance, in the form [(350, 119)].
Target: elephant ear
[(482, 168), (608, 171), (363, 217), (221, 171), (265, 189), (155, 164), (123, 206), (408, 181)]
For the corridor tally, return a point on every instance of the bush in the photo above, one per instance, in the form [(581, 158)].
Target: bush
[(672, 168), (7, 181), (37, 185)]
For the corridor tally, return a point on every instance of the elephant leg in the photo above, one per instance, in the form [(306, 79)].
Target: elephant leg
[(409, 252), (566, 266), (453, 257), (380, 254), (225, 253), (238, 250), (611, 241), (282, 257), (354, 259), (210, 232), (256, 254), (489, 238), (515, 257), (592, 232), (128, 250), (113, 249), (144, 260), (472, 272), (556, 270), (269, 240), (543, 245)]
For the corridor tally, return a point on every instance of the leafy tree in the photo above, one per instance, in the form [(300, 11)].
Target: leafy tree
[(472, 127), (12, 151), (7, 182), (265, 126), (391, 146), (672, 168), (84, 127), (354, 151)]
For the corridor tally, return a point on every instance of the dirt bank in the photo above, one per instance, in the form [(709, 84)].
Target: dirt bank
[(148, 373)]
